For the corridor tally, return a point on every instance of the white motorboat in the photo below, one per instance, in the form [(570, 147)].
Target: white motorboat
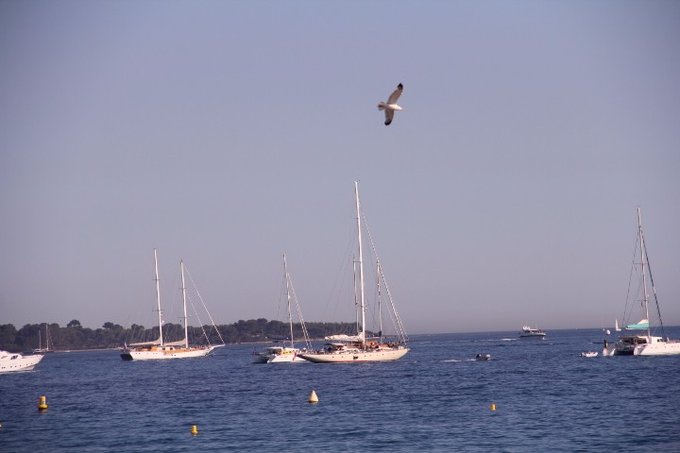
[(286, 354), (357, 348), (644, 343), (279, 354), (482, 357), (160, 349), (13, 361), (531, 332), (589, 354)]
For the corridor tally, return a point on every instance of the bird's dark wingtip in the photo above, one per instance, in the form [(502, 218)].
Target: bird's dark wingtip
[(400, 86), (387, 123)]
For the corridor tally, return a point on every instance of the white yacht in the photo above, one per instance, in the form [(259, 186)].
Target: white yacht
[(279, 354), (13, 361), (531, 332)]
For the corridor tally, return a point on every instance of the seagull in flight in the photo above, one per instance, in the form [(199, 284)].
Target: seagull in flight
[(391, 105)]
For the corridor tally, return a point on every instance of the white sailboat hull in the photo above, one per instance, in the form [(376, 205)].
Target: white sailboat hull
[(658, 348), (357, 355), (643, 345), (167, 353), (10, 362)]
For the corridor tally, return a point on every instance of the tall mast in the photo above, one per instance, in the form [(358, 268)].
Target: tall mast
[(380, 320), (361, 269), (290, 316), (158, 300), (642, 270), (184, 304), (356, 293)]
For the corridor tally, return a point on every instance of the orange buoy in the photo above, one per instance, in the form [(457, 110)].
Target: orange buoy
[(194, 430), (492, 407), (313, 398)]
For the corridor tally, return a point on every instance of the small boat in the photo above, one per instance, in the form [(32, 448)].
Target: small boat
[(48, 343), (13, 361), (589, 354), (643, 343), (531, 332), (482, 357), (357, 348), (285, 354), (160, 349), (279, 354)]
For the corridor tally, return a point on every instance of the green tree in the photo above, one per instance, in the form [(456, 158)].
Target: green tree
[(8, 334)]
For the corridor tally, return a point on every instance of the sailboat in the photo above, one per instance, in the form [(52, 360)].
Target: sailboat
[(49, 347), (357, 348), (160, 349), (644, 344), (286, 354), (616, 325)]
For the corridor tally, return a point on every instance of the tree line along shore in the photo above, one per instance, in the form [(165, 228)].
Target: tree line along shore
[(76, 337)]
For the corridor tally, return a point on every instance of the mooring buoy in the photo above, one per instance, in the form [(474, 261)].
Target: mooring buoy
[(42, 403)]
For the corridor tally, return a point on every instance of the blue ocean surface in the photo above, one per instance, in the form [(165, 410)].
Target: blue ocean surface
[(437, 398)]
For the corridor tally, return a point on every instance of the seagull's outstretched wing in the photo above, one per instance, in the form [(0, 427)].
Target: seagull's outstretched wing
[(389, 114), (395, 94)]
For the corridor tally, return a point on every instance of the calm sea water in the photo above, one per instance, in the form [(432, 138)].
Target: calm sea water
[(435, 399)]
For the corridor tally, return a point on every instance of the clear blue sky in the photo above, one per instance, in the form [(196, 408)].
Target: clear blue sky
[(226, 133)]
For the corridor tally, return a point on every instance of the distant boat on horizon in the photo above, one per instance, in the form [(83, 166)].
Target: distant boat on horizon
[(531, 332), (49, 347)]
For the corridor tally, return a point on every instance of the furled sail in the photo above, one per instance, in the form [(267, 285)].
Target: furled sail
[(146, 343), (342, 337)]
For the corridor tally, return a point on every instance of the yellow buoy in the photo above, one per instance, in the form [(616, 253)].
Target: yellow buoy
[(194, 430), (493, 406), (42, 403), (313, 398)]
